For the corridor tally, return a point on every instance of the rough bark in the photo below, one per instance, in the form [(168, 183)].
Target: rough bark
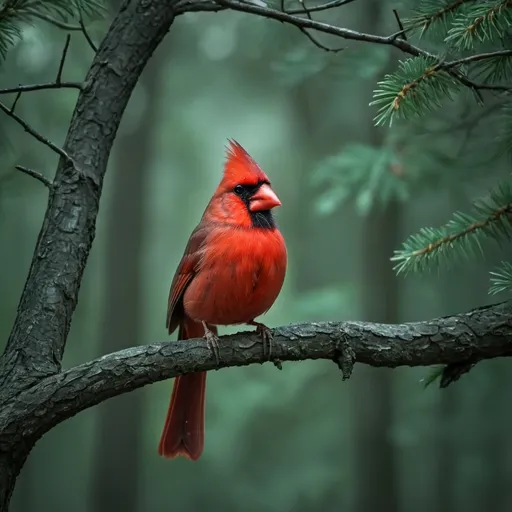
[(479, 334), (36, 343), (37, 340)]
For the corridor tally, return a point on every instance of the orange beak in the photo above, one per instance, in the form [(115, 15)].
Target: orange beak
[(264, 199)]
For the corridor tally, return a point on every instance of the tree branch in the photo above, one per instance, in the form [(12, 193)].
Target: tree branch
[(88, 38), (319, 8), (483, 333), (43, 86), (57, 84), (396, 40), (37, 340), (37, 175), (48, 143)]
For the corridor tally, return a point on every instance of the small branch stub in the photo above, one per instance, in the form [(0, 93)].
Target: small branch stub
[(345, 357)]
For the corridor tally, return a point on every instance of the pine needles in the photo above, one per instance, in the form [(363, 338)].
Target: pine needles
[(501, 279), (462, 236), (434, 15), (421, 84), (481, 22), (14, 14)]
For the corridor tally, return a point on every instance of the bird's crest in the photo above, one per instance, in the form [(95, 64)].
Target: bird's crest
[(240, 168)]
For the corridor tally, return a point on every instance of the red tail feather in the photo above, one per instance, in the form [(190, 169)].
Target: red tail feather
[(183, 433)]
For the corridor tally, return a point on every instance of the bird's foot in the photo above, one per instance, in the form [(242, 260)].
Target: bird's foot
[(266, 337), (212, 342)]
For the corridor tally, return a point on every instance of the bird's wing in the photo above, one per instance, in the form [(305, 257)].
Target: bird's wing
[(185, 272)]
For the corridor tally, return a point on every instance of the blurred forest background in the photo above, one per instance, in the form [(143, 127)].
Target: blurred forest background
[(298, 440)]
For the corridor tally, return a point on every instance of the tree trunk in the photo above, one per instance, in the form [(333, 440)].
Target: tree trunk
[(11, 463), (120, 423), (375, 465), (376, 481)]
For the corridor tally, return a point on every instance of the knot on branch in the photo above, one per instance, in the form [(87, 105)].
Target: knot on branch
[(345, 356)]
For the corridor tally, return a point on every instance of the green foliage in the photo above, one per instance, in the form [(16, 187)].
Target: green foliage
[(419, 86), (14, 14), (422, 83), (368, 174), (399, 169), (480, 22), (462, 236), (433, 17), (495, 70), (501, 280)]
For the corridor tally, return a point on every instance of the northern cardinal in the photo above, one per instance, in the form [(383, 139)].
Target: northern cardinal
[(231, 272)]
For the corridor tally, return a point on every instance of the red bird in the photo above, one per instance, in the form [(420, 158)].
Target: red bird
[(231, 272)]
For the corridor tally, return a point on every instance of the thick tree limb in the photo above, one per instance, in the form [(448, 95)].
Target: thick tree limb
[(480, 334), (37, 340)]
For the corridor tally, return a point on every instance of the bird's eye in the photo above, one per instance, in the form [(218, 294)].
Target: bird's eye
[(239, 190)]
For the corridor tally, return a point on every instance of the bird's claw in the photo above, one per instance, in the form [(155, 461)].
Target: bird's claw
[(212, 342), (266, 337)]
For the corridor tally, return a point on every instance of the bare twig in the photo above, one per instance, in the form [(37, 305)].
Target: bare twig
[(37, 175), (10, 112), (318, 8), (311, 37), (87, 36), (40, 87), (400, 25), (15, 102), (58, 84), (318, 43), (58, 80), (68, 26)]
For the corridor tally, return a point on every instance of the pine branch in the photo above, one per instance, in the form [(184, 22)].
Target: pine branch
[(501, 280), (436, 68), (14, 14), (480, 23), (419, 86), (497, 68), (422, 83), (433, 13), (461, 236)]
